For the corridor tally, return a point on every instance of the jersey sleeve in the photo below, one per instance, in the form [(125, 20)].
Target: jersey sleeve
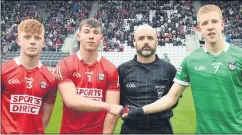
[(51, 94), (182, 75), (2, 82), (113, 80), (62, 73), (172, 74), (121, 73)]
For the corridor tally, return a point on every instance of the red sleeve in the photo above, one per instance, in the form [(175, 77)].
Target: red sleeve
[(2, 84), (51, 94), (113, 78), (62, 73)]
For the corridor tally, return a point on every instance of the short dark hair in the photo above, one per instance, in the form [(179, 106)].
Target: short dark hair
[(91, 23)]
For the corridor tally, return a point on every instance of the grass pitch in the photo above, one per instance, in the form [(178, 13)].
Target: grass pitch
[(183, 121)]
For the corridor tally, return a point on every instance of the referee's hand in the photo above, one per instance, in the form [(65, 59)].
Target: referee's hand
[(131, 112)]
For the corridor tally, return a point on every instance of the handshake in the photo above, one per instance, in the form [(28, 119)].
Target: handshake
[(125, 112)]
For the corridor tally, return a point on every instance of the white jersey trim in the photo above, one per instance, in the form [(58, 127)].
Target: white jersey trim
[(225, 49), (80, 58), (16, 59), (181, 82)]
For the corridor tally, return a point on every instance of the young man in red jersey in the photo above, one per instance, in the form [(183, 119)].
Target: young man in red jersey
[(86, 77), (28, 88)]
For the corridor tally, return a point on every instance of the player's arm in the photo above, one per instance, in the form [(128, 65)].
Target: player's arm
[(67, 90), (166, 101), (48, 104), (112, 97), (72, 100), (47, 111)]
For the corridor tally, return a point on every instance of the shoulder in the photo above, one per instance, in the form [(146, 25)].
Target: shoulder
[(167, 66), (9, 66), (236, 53), (165, 63), (68, 61), (107, 64), (126, 65), (196, 54), (47, 72), (236, 49)]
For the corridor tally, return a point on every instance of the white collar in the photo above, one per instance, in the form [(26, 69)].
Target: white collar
[(80, 58), (18, 62), (225, 49)]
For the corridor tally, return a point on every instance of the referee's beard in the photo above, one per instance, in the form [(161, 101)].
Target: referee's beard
[(146, 50)]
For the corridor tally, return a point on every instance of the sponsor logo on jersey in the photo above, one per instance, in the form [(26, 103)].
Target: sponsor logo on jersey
[(13, 81), (160, 92), (130, 85), (90, 93), (29, 79), (160, 87), (232, 65), (25, 104), (200, 68), (43, 85), (101, 76), (216, 64), (76, 74), (89, 73)]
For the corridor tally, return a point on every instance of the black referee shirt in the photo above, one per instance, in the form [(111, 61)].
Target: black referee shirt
[(142, 84)]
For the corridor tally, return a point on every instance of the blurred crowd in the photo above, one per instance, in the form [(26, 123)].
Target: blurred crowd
[(120, 19), (171, 19), (58, 19)]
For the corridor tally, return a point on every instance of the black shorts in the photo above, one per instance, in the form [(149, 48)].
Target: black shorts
[(165, 128)]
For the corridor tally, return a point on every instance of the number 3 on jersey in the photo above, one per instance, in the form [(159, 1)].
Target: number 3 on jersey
[(29, 84), (216, 69)]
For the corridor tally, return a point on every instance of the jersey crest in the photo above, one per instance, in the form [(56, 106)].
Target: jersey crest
[(232, 65), (101, 76), (43, 85)]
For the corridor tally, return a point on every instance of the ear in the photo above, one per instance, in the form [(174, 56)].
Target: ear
[(78, 36), (101, 37), (43, 45), (18, 41), (198, 28), (222, 24), (134, 42), (156, 43)]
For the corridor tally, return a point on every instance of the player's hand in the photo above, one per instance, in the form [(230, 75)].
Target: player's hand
[(131, 111), (115, 109)]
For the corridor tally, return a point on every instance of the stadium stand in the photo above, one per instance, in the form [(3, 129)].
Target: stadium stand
[(58, 18), (175, 22)]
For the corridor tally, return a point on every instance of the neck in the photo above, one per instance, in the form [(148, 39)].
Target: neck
[(29, 62), (142, 59), (88, 57), (216, 48)]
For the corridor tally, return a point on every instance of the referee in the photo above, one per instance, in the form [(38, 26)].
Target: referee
[(143, 80)]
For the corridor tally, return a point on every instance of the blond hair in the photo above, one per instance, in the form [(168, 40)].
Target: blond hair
[(31, 26), (207, 9)]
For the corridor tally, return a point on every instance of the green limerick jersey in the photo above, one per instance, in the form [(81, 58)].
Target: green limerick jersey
[(216, 84)]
